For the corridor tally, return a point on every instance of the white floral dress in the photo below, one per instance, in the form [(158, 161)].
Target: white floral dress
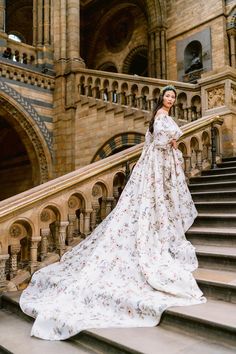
[(135, 264)]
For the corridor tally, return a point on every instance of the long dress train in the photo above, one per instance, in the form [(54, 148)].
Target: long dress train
[(135, 264)]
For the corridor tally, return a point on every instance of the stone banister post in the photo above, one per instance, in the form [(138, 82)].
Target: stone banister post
[(14, 250), (34, 252), (71, 228), (62, 237), (87, 216), (45, 235), (3, 259)]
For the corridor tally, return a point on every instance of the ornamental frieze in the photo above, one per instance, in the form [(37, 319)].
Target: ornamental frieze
[(216, 97)]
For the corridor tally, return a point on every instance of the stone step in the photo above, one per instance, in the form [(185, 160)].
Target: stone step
[(212, 236), (218, 171), (213, 178), (214, 319), (221, 220), (153, 340), (226, 159), (216, 207), (219, 195), (216, 257), (200, 329), (227, 164), (217, 284), (216, 186)]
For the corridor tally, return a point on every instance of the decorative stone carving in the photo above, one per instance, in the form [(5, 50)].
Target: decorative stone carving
[(97, 191), (233, 95), (16, 230), (45, 216), (216, 97), (3, 259), (73, 202)]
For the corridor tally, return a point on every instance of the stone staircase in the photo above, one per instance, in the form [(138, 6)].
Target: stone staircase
[(200, 329)]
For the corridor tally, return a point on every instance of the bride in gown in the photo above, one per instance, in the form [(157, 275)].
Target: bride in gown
[(137, 262)]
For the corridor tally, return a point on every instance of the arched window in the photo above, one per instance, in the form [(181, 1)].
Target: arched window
[(193, 57)]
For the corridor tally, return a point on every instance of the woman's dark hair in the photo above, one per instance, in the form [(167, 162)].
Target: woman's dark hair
[(160, 104)]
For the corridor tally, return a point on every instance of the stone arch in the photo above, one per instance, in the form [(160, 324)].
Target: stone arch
[(34, 141), (108, 66), (19, 18), (136, 61), (118, 143)]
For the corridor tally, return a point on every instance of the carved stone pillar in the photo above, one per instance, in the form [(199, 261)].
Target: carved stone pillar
[(71, 228), (94, 213), (199, 159), (2, 15), (109, 203), (232, 44), (187, 162), (45, 235), (87, 217), (14, 250), (34, 252), (3, 259), (62, 237)]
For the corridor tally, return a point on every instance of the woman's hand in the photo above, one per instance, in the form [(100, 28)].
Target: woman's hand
[(174, 144)]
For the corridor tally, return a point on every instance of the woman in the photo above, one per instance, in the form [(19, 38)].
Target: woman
[(137, 262)]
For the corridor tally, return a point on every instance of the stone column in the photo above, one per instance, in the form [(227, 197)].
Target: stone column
[(3, 259), (158, 57), (232, 43), (14, 250), (151, 51), (93, 221), (73, 31), (87, 216), (2, 15), (46, 22), (34, 252), (109, 203), (45, 235), (71, 228), (199, 159), (62, 237), (163, 54)]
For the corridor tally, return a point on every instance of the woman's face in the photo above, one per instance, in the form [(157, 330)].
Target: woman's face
[(168, 99)]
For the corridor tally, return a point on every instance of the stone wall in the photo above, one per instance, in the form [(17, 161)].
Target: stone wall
[(187, 20)]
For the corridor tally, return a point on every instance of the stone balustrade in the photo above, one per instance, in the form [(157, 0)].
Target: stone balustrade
[(26, 75), (51, 217), (19, 52), (139, 92)]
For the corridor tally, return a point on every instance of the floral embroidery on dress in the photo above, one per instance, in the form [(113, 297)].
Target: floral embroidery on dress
[(135, 264)]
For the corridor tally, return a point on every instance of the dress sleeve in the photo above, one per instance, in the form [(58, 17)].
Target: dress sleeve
[(165, 130)]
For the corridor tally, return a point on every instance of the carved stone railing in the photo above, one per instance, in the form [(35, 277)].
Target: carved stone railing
[(26, 75), (139, 92), (44, 221), (23, 53)]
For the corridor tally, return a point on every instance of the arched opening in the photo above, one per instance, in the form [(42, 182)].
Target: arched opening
[(193, 57), (16, 170), (19, 19), (118, 143), (109, 66), (23, 159), (136, 63)]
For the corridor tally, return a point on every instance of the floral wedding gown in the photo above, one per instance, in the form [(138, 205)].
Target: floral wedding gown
[(135, 264)]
